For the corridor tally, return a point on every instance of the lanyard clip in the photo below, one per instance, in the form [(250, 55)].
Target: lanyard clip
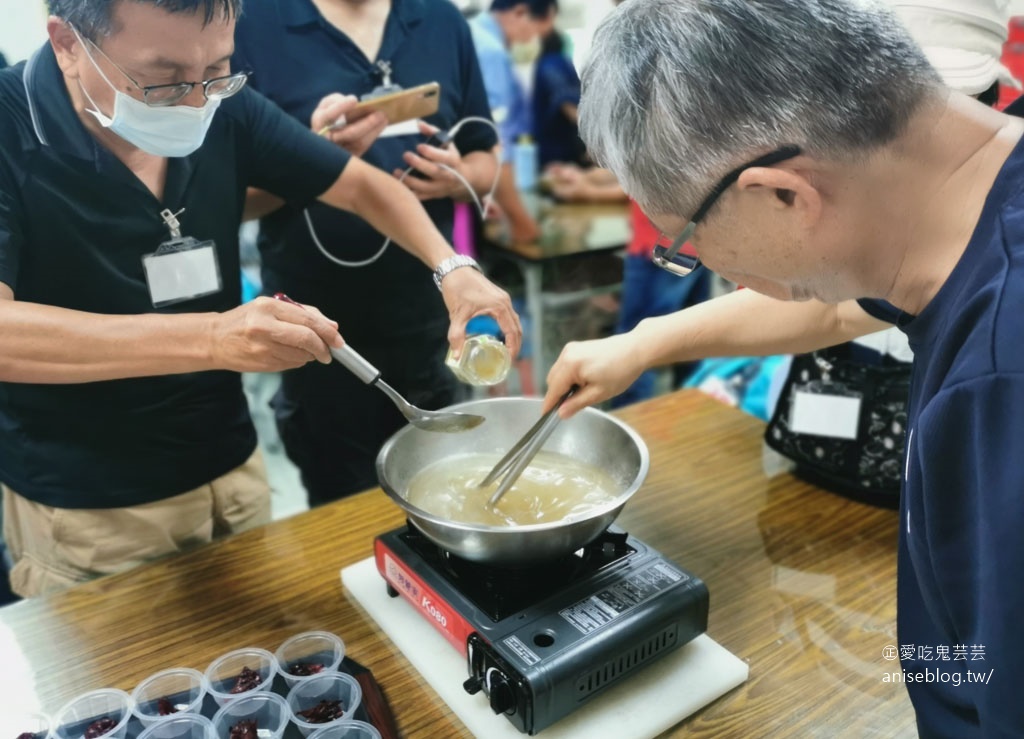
[(384, 67), (171, 221), (826, 368)]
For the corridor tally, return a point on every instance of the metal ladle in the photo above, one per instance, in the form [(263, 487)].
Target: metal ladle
[(354, 362)]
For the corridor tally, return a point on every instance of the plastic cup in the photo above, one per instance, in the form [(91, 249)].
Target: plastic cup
[(311, 647), (16, 723), (184, 688), (333, 686), (180, 726), (74, 718), (269, 710), (347, 730), (223, 673)]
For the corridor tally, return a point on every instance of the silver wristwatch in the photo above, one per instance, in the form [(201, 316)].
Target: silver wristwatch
[(453, 263)]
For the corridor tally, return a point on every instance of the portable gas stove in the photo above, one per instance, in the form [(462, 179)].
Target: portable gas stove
[(542, 641)]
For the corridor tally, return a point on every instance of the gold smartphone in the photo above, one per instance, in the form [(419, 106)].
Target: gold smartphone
[(405, 105)]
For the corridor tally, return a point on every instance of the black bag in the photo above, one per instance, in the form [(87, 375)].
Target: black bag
[(870, 467)]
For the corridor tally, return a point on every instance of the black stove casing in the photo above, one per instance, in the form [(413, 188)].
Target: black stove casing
[(626, 609)]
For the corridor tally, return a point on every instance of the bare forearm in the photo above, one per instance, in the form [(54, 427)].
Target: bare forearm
[(606, 193), (508, 196), (600, 176), (259, 203), (43, 344), (479, 168), (747, 323), (391, 208)]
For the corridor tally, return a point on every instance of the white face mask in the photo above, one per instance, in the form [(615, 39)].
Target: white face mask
[(526, 53), (172, 131)]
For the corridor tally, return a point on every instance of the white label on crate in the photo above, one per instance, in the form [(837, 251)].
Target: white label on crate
[(526, 654), (594, 612)]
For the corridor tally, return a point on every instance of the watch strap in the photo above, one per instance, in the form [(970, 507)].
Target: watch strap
[(451, 264)]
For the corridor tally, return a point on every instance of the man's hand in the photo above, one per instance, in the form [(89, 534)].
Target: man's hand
[(467, 293), (602, 368), (523, 230), (355, 137), (439, 182), (270, 336), (568, 183), (493, 212)]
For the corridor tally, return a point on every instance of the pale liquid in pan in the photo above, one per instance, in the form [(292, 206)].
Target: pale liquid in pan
[(553, 488)]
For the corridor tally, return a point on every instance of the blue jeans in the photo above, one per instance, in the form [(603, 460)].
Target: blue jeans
[(649, 291)]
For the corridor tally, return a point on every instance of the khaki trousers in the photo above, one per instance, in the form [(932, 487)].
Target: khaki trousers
[(54, 548)]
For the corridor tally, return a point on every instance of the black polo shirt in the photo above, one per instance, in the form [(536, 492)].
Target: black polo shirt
[(298, 58), (74, 226)]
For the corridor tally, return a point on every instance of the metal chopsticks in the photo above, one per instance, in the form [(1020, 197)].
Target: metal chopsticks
[(520, 455)]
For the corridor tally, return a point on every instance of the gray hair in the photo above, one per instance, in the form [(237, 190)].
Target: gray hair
[(677, 92), (92, 18)]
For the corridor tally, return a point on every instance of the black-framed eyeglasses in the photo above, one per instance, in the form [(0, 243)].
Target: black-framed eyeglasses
[(162, 96), (670, 258)]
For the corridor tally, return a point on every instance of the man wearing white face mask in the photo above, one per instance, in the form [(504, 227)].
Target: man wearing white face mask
[(510, 33), (163, 130), (126, 147)]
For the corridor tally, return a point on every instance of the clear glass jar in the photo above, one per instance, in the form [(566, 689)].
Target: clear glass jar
[(484, 361)]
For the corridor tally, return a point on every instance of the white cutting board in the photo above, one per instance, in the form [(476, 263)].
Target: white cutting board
[(648, 703)]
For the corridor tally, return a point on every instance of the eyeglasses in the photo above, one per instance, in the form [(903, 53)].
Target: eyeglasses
[(162, 96), (670, 258)]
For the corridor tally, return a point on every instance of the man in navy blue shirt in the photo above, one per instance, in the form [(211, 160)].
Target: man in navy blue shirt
[(555, 100), (510, 31), (810, 152), (126, 147), (315, 59)]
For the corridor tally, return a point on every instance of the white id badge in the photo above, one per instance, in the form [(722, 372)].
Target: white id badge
[(406, 128), (821, 409), (182, 269)]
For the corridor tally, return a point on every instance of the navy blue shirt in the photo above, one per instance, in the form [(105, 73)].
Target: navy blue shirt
[(74, 225), (298, 58), (556, 84), (961, 551), (883, 310)]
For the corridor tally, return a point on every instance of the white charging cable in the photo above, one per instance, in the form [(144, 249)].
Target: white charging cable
[(482, 206)]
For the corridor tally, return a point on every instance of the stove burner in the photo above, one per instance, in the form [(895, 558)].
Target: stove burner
[(501, 592), (541, 641)]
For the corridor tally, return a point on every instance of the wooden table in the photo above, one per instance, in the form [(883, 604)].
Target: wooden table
[(802, 587), (569, 232)]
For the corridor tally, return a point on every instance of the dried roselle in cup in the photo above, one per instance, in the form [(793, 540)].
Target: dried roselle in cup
[(27, 735), (305, 669), (244, 730), (100, 727), (164, 707), (323, 712), (246, 681)]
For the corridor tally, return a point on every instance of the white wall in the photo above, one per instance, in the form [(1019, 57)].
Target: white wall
[(588, 18), (22, 27)]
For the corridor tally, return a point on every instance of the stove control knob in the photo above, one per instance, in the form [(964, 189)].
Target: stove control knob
[(473, 685), (503, 699)]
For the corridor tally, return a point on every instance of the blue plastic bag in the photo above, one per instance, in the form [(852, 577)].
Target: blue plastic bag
[(742, 382)]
